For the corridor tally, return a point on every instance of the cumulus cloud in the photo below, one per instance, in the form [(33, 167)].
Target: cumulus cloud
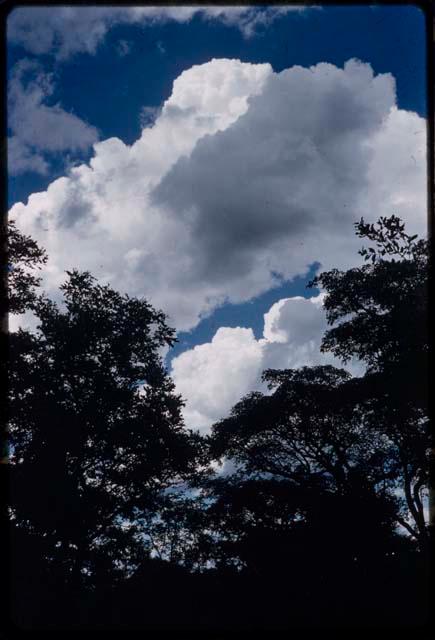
[(246, 177), (213, 376), (100, 217), (304, 157), (65, 31), (37, 128)]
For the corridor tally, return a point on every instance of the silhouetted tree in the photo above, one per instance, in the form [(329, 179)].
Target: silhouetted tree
[(379, 313), (274, 527), (321, 458), (178, 532), (307, 431), (113, 499), (306, 447), (25, 258), (380, 308), (95, 427)]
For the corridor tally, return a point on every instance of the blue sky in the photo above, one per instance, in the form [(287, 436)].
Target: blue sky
[(112, 82), (391, 38)]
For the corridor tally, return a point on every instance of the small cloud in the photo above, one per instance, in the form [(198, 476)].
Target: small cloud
[(66, 31), (38, 128), (148, 116), (21, 158), (160, 47), (250, 20), (123, 48), (213, 376)]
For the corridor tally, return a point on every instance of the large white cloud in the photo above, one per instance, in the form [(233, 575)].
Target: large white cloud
[(246, 176), (213, 376), (65, 31)]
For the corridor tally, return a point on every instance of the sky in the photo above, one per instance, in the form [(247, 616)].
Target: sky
[(213, 160)]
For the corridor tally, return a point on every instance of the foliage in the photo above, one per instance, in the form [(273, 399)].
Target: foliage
[(95, 425), (381, 306), (379, 313), (116, 517), (319, 429), (25, 259), (274, 526), (306, 431)]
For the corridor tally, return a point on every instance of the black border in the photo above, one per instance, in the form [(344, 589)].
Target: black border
[(7, 629)]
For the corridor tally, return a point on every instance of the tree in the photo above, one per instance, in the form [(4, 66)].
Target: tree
[(307, 431), (95, 426), (380, 309), (25, 258), (104, 475), (343, 438), (272, 526), (310, 498), (179, 533), (379, 313)]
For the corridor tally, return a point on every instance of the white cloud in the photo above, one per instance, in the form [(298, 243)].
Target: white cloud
[(38, 128), (250, 20), (303, 160), (123, 48), (65, 31), (283, 321), (149, 115), (22, 158), (100, 217), (212, 377), (244, 174)]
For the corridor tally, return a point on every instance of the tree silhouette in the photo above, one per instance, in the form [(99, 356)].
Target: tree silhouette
[(320, 460), (272, 527), (307, 431), (380, 315), (96, 431), (116, 517), (306, 444), (26, 258)]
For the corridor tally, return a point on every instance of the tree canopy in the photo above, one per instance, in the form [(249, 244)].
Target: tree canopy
[(113, 499), (352, 436), (95, 426), (379, 312)]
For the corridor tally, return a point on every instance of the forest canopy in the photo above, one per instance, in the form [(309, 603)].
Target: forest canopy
[(118, 512)]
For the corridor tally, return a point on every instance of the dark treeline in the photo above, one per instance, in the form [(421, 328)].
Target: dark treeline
[(117, 515)]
